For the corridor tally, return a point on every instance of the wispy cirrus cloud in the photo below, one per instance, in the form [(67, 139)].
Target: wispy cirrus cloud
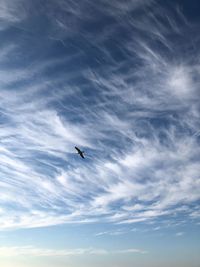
[(112, 233), (134, 108), (41, 252)]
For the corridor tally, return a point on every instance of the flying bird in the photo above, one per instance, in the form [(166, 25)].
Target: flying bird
[(80, 152)]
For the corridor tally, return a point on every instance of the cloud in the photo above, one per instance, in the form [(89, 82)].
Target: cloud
[(112, 233), (179, 234), (12, 12), (41, 252), (131, 103)]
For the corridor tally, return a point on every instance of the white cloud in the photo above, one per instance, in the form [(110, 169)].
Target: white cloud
[(140, 131), (41, 252), (180, 234), (180, 82), (112, 233)]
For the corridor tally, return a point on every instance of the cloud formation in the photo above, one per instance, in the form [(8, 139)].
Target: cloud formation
[(40, 252), (132, 103)]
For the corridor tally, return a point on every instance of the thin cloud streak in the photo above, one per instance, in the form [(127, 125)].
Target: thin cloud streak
[(40, 252)]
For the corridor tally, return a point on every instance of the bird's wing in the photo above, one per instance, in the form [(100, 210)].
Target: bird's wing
[(77, 149), (81, 154)]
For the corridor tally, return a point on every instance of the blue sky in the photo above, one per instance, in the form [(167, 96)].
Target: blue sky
[(120, 80)]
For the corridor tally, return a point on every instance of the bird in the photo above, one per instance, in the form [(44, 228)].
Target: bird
[(80, 152)]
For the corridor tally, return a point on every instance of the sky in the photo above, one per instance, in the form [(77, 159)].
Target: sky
[(120, 80)]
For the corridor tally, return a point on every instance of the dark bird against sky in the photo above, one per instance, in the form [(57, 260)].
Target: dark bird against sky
[(80, 152)]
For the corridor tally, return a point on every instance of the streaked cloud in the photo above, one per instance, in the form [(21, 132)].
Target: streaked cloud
[(134, 109), (40, 252)]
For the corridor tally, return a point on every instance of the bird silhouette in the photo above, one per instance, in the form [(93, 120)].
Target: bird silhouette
[(80, 152)]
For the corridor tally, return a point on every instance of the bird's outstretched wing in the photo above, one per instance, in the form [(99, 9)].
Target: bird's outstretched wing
[(81, 154), (77, 149)]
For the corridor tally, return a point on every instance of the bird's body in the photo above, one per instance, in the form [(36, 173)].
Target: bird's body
[(80, 152)]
